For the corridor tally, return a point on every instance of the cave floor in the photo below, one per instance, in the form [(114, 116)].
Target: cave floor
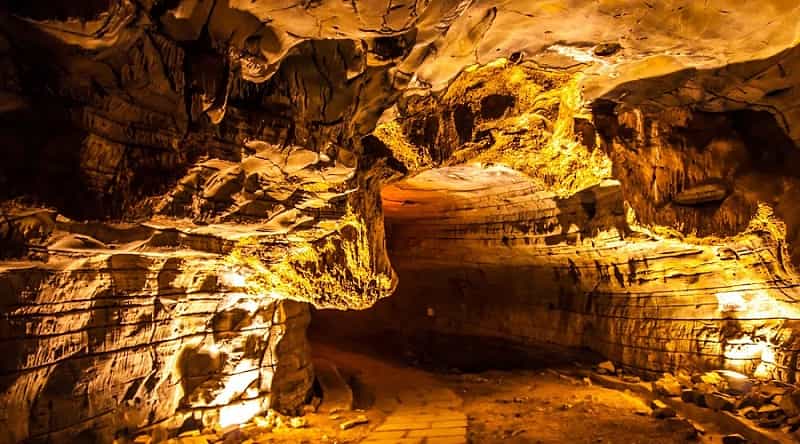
[(406, 404), (399, 403)]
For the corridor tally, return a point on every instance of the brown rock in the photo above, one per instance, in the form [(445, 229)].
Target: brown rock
[(712, 192), (695, 396), (736, 383), (358, 420), (772, 422), (607, 49), (297, 422), (768, 409), (719, 401), (749, 412), (770, 390), (606, 367), (684, 428), (790, 403), (215, 165), (754, 399), (667, 386), (662, 410), (734, 439)]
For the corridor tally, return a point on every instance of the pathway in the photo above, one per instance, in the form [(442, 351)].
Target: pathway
[(417, 408)]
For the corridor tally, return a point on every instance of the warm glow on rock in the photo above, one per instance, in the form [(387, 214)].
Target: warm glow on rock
[(731, 301), (244, 374), (744, 349), (239, 413), (767, 365), (233, 279), (186, 183)]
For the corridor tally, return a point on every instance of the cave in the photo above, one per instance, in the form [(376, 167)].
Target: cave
[(257, 221)]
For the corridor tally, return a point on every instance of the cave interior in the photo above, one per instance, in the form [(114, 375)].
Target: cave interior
[(402, 221)]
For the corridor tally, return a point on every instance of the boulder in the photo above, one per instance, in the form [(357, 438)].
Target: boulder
[(662, 410), (737, 383), (606, 367), (790, 403), (734, 439), (749, 412), (711, 378), (712, 192), (358, 420), (667, 386), (693, 396), (719, 401)]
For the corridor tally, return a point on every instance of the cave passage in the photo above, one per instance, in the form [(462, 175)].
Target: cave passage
[(428, 222), (475, 287)]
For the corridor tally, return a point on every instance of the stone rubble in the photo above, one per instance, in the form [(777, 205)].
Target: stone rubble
[(358, 420), (606, 367), (661, 410), (769, 404)]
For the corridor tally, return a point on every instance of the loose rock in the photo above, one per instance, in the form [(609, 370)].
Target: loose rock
[(606, 368), (719, 401), (297, 422), (662, 410), (667, 386), (734, 439), (358, 420)]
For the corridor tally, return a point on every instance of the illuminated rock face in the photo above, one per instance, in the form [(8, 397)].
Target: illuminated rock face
[(493, 257), (107, 337), (196, 315), (182, 180), (685, 261)]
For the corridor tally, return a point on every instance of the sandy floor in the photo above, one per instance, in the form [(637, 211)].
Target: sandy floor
[(542, 407), (521, 406)]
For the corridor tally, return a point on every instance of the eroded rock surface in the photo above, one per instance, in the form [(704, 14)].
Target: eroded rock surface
[(183, 179)]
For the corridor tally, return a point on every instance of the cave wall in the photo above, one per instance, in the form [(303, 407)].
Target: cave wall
[(686, 260), (517, 265), (117, 342), (170, 206)]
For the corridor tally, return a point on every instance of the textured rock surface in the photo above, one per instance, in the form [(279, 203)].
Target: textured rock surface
[(196, 314), (181, 179), (483, 253), (486, 253)]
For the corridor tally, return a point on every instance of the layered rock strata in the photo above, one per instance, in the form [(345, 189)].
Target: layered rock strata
[(180, 178), (483, 253), (194, 316)]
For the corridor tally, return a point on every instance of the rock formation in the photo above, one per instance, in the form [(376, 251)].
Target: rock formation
[(185, 179)]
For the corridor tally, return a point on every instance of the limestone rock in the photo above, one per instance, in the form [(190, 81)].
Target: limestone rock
[(667, 385), (606, 367), (661, 410), (701, 194), (719, 401), (360, 419), (184, 179), (790, 403), (734, 439)]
